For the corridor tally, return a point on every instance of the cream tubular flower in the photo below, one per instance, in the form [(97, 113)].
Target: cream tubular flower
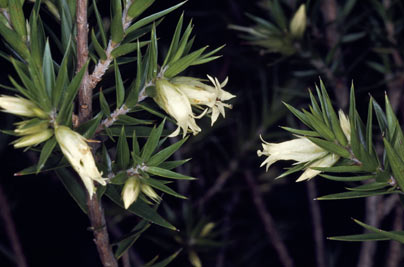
[(327, 161), (300, 149), (78, 153), (130, 191), (21, 107), (199, 93), (177, 105), (33, 139), (345, 125)]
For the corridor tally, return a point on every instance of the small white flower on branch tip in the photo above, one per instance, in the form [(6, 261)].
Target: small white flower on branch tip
[(33, 139), (21, 107), (345, 125), (301, 150), (78, 153)]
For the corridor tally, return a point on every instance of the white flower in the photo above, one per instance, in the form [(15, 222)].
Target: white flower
[(301, 150), (199, 93), (33, 139), (298, 23), (177, 105), (78, 153), (21, 107)]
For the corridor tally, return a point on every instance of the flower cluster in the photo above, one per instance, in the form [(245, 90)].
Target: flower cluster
[(178, 95), (32, 131), (303, 151)]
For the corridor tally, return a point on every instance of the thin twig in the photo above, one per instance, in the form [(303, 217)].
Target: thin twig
[(368, 249), (95, 210), (102, 65), (11, 231), (317, 225), (268, 221), (394, 255)]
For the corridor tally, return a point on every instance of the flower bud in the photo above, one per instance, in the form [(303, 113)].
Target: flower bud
[(345, 125), (33, 139), (130, 191), (21, 107), (298, 23), (149, 191), (78, 153), (31, 127)]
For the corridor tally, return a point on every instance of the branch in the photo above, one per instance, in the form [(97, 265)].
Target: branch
[(95, 210), (268, 221), (317, 225), (102, 65), (11, 231)]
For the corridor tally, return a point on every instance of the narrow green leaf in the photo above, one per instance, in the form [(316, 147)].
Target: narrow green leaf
[(368, 187), (397, 165), (62, 79), (167, 173), (364, 237), (128, 242), (169, 165), (300, 115), (104, 104), (174, 42), (138, 7), (183, 63), (48, 70), (348, 178), (320, 126), (369, 130), (355, 194), (117, 32), (120, 178), (132, 98), (69, 95), (75, 189), (166, 261), (45, 153), (120, 90), (342, 169), (100, 24), (331, 147), (98, 48), (381, 117), (139, 207), (162, 187), (17, 18), (182, 44), (14, 40), (301, 132), (122, 151), (127, 48), (89, 128), (152, 142), (152, 18), (164, 154), (390, 235), (135, 144)]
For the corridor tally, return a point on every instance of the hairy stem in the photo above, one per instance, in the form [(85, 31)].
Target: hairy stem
[(95, 210)]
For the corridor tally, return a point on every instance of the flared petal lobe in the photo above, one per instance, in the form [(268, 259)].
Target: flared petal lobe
[(78, 153)]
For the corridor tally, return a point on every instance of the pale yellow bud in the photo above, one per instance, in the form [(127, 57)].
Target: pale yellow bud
[(207, 229), (29, 127), (298, 23), (130, 191), (194, 259), (21, 107), (33, 139), (345, 125), (78, 153), (148, 191)]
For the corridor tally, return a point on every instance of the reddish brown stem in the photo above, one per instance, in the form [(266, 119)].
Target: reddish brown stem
[(11, 231), (85, 93), (95, 210), (268, 221)]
